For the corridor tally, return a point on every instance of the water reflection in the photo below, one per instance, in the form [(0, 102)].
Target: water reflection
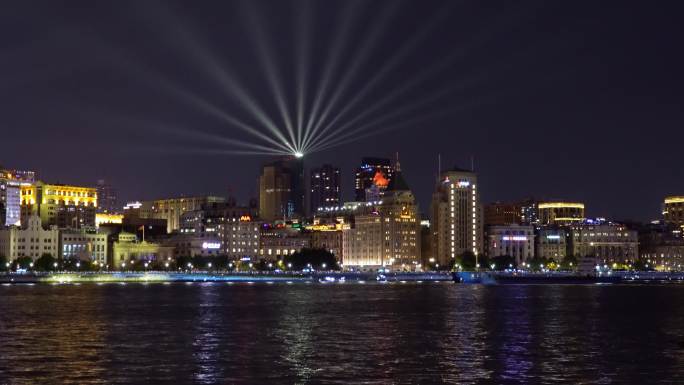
[(311, 334)]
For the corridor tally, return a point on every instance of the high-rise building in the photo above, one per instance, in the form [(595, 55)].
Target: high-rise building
[(61, 205), (387, 234), (106, 198), (456, 216), (281, 189), (560, 213), (372, 179), (673, 210), (10, 195), (325, 187)]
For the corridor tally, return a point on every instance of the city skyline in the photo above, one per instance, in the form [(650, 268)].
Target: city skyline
[(559, 115)]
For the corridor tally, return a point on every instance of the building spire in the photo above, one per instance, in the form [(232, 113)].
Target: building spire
[(398, 166)]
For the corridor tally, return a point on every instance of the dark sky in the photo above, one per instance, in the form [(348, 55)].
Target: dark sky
[(574, 100)]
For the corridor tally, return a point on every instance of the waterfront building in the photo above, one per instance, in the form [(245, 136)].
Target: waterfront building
[(83, 245), (560, 213), (30, 240), (551, 242), (281, 189), (673, 210), (329, 239), (372, 179), (662, 245), (107, 201), (608, 242), (126, 249), (234, 227), (280, 240), (456, 216), (512, 240), (500, 213), (10, 195), (325, 187), (57, 204), (241, 238), (194, 245), (387, 234), (170, 209)]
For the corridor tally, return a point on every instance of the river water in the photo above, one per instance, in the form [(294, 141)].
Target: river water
[(218, 333)]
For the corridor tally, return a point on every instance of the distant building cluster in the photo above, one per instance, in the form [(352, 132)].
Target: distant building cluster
[(383, 228)]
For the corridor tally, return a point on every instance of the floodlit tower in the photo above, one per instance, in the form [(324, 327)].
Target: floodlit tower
[(456, 216)]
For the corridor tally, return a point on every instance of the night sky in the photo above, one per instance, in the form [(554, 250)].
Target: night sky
[(570, 100)]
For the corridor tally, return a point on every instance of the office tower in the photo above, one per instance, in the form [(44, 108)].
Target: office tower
[(281, 189), (325, 187), (372, 179), (456, 216)]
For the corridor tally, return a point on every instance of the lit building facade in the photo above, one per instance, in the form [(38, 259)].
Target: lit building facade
[(281, 240), (126, 249), (386, 235), (372, 179), (31, 240), (61, 205), (608, 242), (560, 213), (83, 245), (281, 190), (242, 239), (10, 195), (516, 241), (170, 210), (325, 187), (456, 216), (551, 242), (673, 210)]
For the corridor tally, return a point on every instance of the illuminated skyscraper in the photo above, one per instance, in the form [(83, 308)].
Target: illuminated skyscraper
[(372, 178), (456, 216), (325, 187), (281, 189)]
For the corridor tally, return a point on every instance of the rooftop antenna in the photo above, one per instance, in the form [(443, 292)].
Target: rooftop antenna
[(398, 167), (472, 163), (439, 166)]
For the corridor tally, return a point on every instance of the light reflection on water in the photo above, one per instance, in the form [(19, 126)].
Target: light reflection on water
[(309, 334)]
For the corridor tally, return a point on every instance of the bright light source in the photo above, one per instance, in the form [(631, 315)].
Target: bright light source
[(298, 154)]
